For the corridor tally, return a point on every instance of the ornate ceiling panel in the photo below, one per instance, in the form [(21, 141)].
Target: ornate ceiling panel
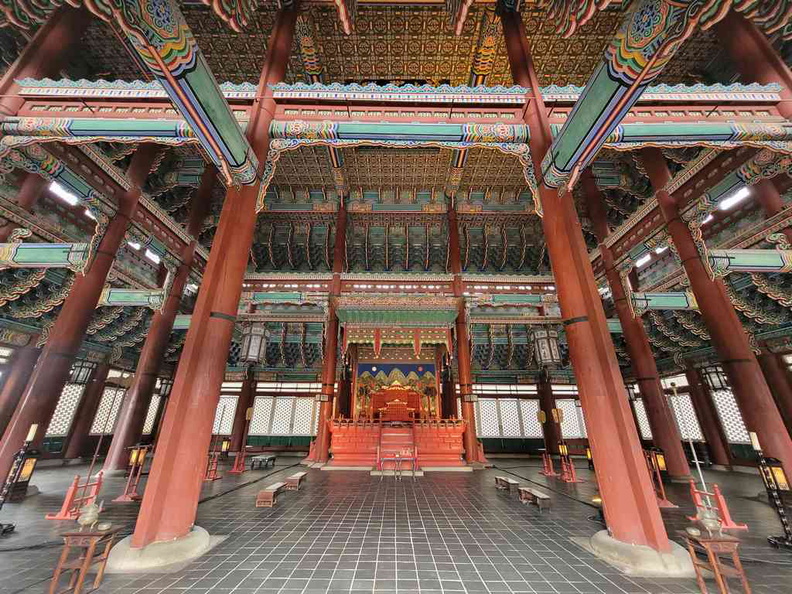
[(389, 43), (491, 169), (390, 168), (306, 167)]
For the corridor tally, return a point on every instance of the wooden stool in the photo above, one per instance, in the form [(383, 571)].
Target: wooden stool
[(715, 548), (86, 544)]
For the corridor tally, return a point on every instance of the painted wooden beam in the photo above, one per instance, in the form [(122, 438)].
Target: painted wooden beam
[(681, 300), (726, 261), (122, 297), (633, 59), (158, 33), (73, 256)]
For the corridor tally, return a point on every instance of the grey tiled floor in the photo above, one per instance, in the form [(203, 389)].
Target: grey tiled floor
[(349, 532)]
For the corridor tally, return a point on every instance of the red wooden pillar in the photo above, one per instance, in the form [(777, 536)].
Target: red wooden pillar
[(665, 433), (709, 421), (551, 430), (247, 398), (86, 412), (44, 55), (466, 395), (52, 371), (132, 416), (447, 385), (20, 369), (777, 378), (32, 187), (465, 375), (322, 446), (174, 485), (754, 57), (769, 198), (750, 389), (321, 451), (629, 501)]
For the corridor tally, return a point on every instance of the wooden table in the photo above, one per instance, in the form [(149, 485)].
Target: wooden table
[(86, 544), (718, 550)]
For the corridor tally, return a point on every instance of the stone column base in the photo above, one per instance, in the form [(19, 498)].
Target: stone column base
[(160, 555), (639, 560)]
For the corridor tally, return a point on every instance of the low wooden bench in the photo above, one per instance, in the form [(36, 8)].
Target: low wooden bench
[(504, 483), (539, 499), (262, 461), (269, 497), (294, 481)]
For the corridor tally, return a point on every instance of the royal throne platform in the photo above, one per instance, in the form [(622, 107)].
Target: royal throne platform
[(396, 429)]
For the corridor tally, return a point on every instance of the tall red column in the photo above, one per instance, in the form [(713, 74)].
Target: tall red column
[(754, 57), (465, 376), (52, 371), (665, 433), (778, 381), (551, 431), (32, 187), (726, 331), (171, 498), (86, 412), (44, 55), (709, 421), (132, 416), (322, 443), (771, 201), (247, 398), (20, 370), (631, 513), (321, 451)]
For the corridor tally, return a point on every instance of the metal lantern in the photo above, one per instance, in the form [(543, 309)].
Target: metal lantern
[(715, 378), (546, 348), (775, 477), (254, 343), (137, 455), (81, 372)]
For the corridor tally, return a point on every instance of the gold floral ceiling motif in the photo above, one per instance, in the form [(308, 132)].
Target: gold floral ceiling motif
[(376, 168), (393, 43), (388, 168)]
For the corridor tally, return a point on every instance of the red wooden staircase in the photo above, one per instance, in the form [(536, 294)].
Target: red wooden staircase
[(396, 442)]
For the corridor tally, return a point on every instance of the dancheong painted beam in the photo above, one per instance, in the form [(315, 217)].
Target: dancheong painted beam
[(157, 32), (650, 35)]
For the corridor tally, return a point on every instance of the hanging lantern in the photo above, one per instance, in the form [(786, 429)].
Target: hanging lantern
[(715, 378), (546, 348), (81, 372), (254, 343)]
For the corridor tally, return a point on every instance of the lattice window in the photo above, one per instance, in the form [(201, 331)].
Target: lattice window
[(459, 408), (531, 425), (224, 415), (572, 426), (686, 417), (730, 416), (262, 414), (315, 417), (107, 413), (643, 420), (488, 418), (64, 411), (510, 417), (303, 416), (151, 414), (282, 416)]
